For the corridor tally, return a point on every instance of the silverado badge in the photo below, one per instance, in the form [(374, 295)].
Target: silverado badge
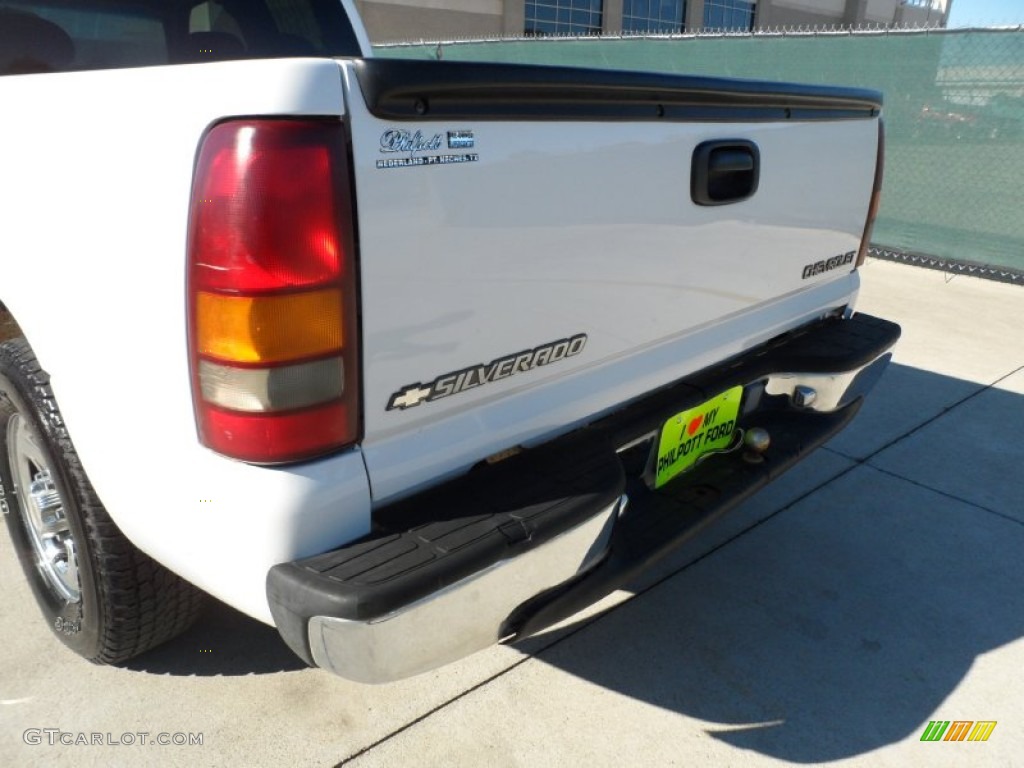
[(454, 382)]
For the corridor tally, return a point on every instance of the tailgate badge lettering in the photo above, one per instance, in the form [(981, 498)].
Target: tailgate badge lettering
[(408, 143), (455, 382), (827, 265), (460, 140), (413, 145)]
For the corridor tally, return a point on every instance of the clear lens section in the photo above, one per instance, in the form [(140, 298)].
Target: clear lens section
[(258, 390)]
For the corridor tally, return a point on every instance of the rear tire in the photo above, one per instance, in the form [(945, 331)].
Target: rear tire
[(103, 598)]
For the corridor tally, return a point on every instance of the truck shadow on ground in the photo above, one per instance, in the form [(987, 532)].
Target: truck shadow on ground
[(222, 642), (841, 624)]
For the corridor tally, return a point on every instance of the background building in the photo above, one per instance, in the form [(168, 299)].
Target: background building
[(394, 20)]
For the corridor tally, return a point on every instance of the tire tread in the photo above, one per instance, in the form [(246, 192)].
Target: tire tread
[(142, 603)]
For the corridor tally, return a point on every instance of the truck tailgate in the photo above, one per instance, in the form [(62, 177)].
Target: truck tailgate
[(529, 237)]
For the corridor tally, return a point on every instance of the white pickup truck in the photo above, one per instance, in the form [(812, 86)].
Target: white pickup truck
[(405, 358)]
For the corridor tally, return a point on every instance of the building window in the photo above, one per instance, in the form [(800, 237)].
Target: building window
[(653, 15), (563, 17), (729, 14)]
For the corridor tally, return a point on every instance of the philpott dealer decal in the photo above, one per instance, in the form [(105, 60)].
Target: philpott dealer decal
[(453, 383), (409, 149)]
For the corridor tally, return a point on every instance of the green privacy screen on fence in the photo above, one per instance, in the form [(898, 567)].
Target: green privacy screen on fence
[(954, 112)]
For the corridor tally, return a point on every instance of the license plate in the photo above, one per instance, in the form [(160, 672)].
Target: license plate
[(696, 432)]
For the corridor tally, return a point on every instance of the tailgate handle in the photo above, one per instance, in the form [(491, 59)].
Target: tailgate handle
[(724, 172)]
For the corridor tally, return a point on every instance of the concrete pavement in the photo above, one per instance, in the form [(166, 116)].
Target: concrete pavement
[(875, 588)]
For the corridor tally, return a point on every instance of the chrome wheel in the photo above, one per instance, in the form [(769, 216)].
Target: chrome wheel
[(42, 510)]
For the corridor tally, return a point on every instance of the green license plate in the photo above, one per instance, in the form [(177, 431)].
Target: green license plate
[(696, 432)]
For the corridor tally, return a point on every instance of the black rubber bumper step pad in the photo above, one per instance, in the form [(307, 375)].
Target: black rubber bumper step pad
[(437, 538)]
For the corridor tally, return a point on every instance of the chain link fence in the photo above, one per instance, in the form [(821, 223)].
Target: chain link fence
[(954, 112)]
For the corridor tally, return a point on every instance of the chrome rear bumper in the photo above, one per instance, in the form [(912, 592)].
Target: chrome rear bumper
[(464, 618), (825, 392)]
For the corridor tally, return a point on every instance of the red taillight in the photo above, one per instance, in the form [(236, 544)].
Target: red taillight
[(271, 291), (876, 196)]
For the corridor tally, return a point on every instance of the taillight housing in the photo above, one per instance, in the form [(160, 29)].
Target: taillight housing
[(876, 196), (271, 291)]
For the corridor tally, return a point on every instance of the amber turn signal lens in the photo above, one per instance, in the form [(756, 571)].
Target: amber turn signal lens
[(269, 329)]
